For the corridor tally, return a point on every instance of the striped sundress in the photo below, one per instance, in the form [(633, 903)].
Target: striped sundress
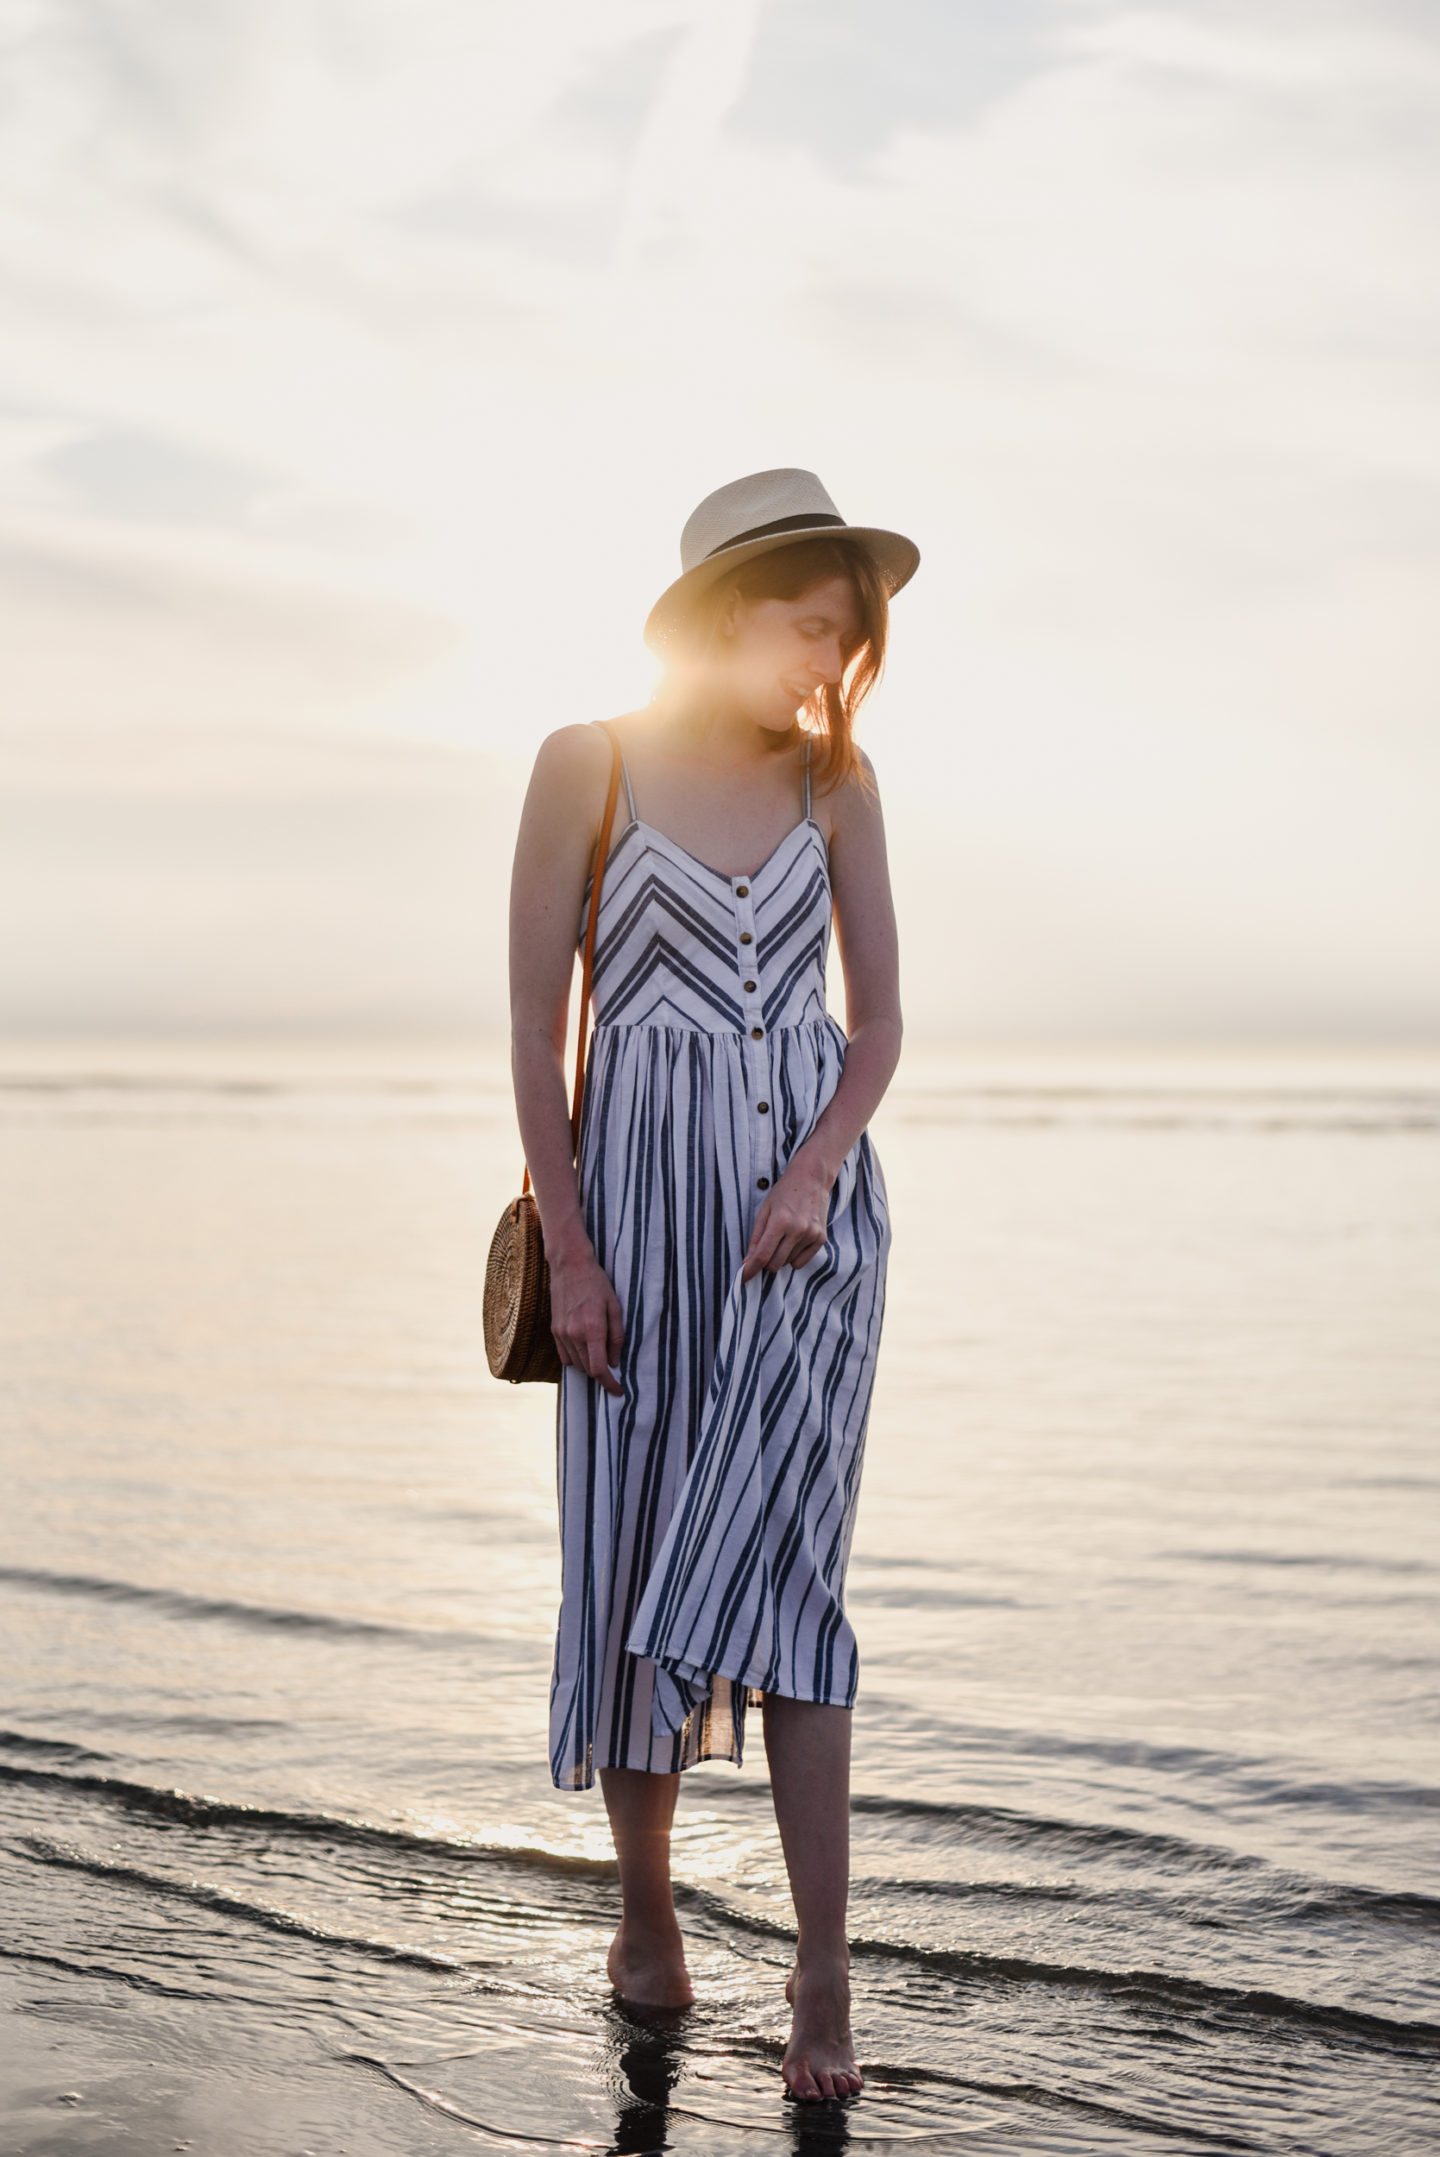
[(706, 1515)]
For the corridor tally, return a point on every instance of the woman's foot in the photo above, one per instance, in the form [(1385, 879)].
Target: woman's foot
[(648, 1969), (820, 2057)]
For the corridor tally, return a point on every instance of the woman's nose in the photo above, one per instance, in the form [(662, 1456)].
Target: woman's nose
[(825, 665)]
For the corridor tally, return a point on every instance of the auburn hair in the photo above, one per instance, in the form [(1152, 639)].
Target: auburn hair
[(784, 573)]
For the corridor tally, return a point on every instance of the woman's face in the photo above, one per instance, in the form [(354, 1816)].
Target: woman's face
[(780, 651)]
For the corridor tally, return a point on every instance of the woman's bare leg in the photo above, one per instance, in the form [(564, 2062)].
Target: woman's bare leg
[(647, 1956), (808, 1748)]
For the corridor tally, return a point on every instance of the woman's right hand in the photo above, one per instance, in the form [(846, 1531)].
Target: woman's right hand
[(585, 1316)]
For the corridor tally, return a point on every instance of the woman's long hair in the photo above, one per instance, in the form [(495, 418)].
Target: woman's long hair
[(784, 573)]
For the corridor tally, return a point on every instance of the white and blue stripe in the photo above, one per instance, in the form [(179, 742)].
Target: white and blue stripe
[(706, 1516)]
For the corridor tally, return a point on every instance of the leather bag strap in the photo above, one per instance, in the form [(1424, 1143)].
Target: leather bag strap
[(602, 853)]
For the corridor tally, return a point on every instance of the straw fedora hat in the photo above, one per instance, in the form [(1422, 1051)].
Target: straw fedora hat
[(753, 515)]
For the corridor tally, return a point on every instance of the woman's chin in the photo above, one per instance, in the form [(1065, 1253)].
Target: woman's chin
[(781, 716)]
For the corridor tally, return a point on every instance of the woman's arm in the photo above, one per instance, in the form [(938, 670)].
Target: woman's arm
[(559, 826), (791, 1225)]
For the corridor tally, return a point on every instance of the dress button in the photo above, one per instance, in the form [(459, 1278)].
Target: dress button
[(757, 1033), (763, 1182), (746, 937), (742, 891), (762, 1108), (749, 988)]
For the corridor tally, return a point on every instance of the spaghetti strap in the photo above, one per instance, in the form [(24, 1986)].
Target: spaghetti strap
[(809, 744), (624, 770)]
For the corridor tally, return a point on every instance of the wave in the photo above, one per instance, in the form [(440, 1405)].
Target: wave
[(1297, 1897), (1286, 1900), (1145, 1987), (1081, 1837), (183, 1809), (1028, 1829), (1250, 1777), (48, 1748), (919, 1598), (1329, 1560), (179, 1723), (1385, 1123), (214, 1899), (154, 1082), (177, 1603), (1373, 1111), (1322, 1903), (1161, 1987), (71, 1968)]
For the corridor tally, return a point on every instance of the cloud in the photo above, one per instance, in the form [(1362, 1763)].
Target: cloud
[(363, 367), (676, 144), (109, 641), (122, 472)]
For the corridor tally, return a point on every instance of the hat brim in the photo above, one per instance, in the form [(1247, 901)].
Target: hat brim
[(896, 557)]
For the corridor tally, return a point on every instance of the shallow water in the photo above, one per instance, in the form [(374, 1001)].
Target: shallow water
[(1145, 1580)]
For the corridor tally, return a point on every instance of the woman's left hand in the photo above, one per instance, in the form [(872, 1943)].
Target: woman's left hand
[(793, 1223)]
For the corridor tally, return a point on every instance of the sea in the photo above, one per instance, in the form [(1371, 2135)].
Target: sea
[(1146, 1811)]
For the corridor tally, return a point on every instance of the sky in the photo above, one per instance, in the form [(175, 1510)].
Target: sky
[(361, 362)]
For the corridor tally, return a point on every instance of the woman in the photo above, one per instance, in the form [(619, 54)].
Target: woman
[(717, 1269)]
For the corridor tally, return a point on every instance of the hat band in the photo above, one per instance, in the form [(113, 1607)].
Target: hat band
[(812, 520)]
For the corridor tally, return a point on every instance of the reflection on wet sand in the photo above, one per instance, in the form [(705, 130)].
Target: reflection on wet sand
[(644, 2058), (646, 2054)]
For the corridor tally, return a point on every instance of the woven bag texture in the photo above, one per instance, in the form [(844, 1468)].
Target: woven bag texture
[(518, 1341)]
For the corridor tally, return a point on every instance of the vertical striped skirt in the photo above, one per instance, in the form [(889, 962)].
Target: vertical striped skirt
[(706, 1515)]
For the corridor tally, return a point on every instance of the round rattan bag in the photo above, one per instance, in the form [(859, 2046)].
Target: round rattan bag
[(518, 1341)]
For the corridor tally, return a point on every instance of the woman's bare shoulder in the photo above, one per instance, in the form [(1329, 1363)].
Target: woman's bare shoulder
[(572, 769), (578, 752), (856, 802), (573, 753)]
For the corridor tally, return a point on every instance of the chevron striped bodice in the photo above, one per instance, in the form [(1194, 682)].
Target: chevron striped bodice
[(679, 944)]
